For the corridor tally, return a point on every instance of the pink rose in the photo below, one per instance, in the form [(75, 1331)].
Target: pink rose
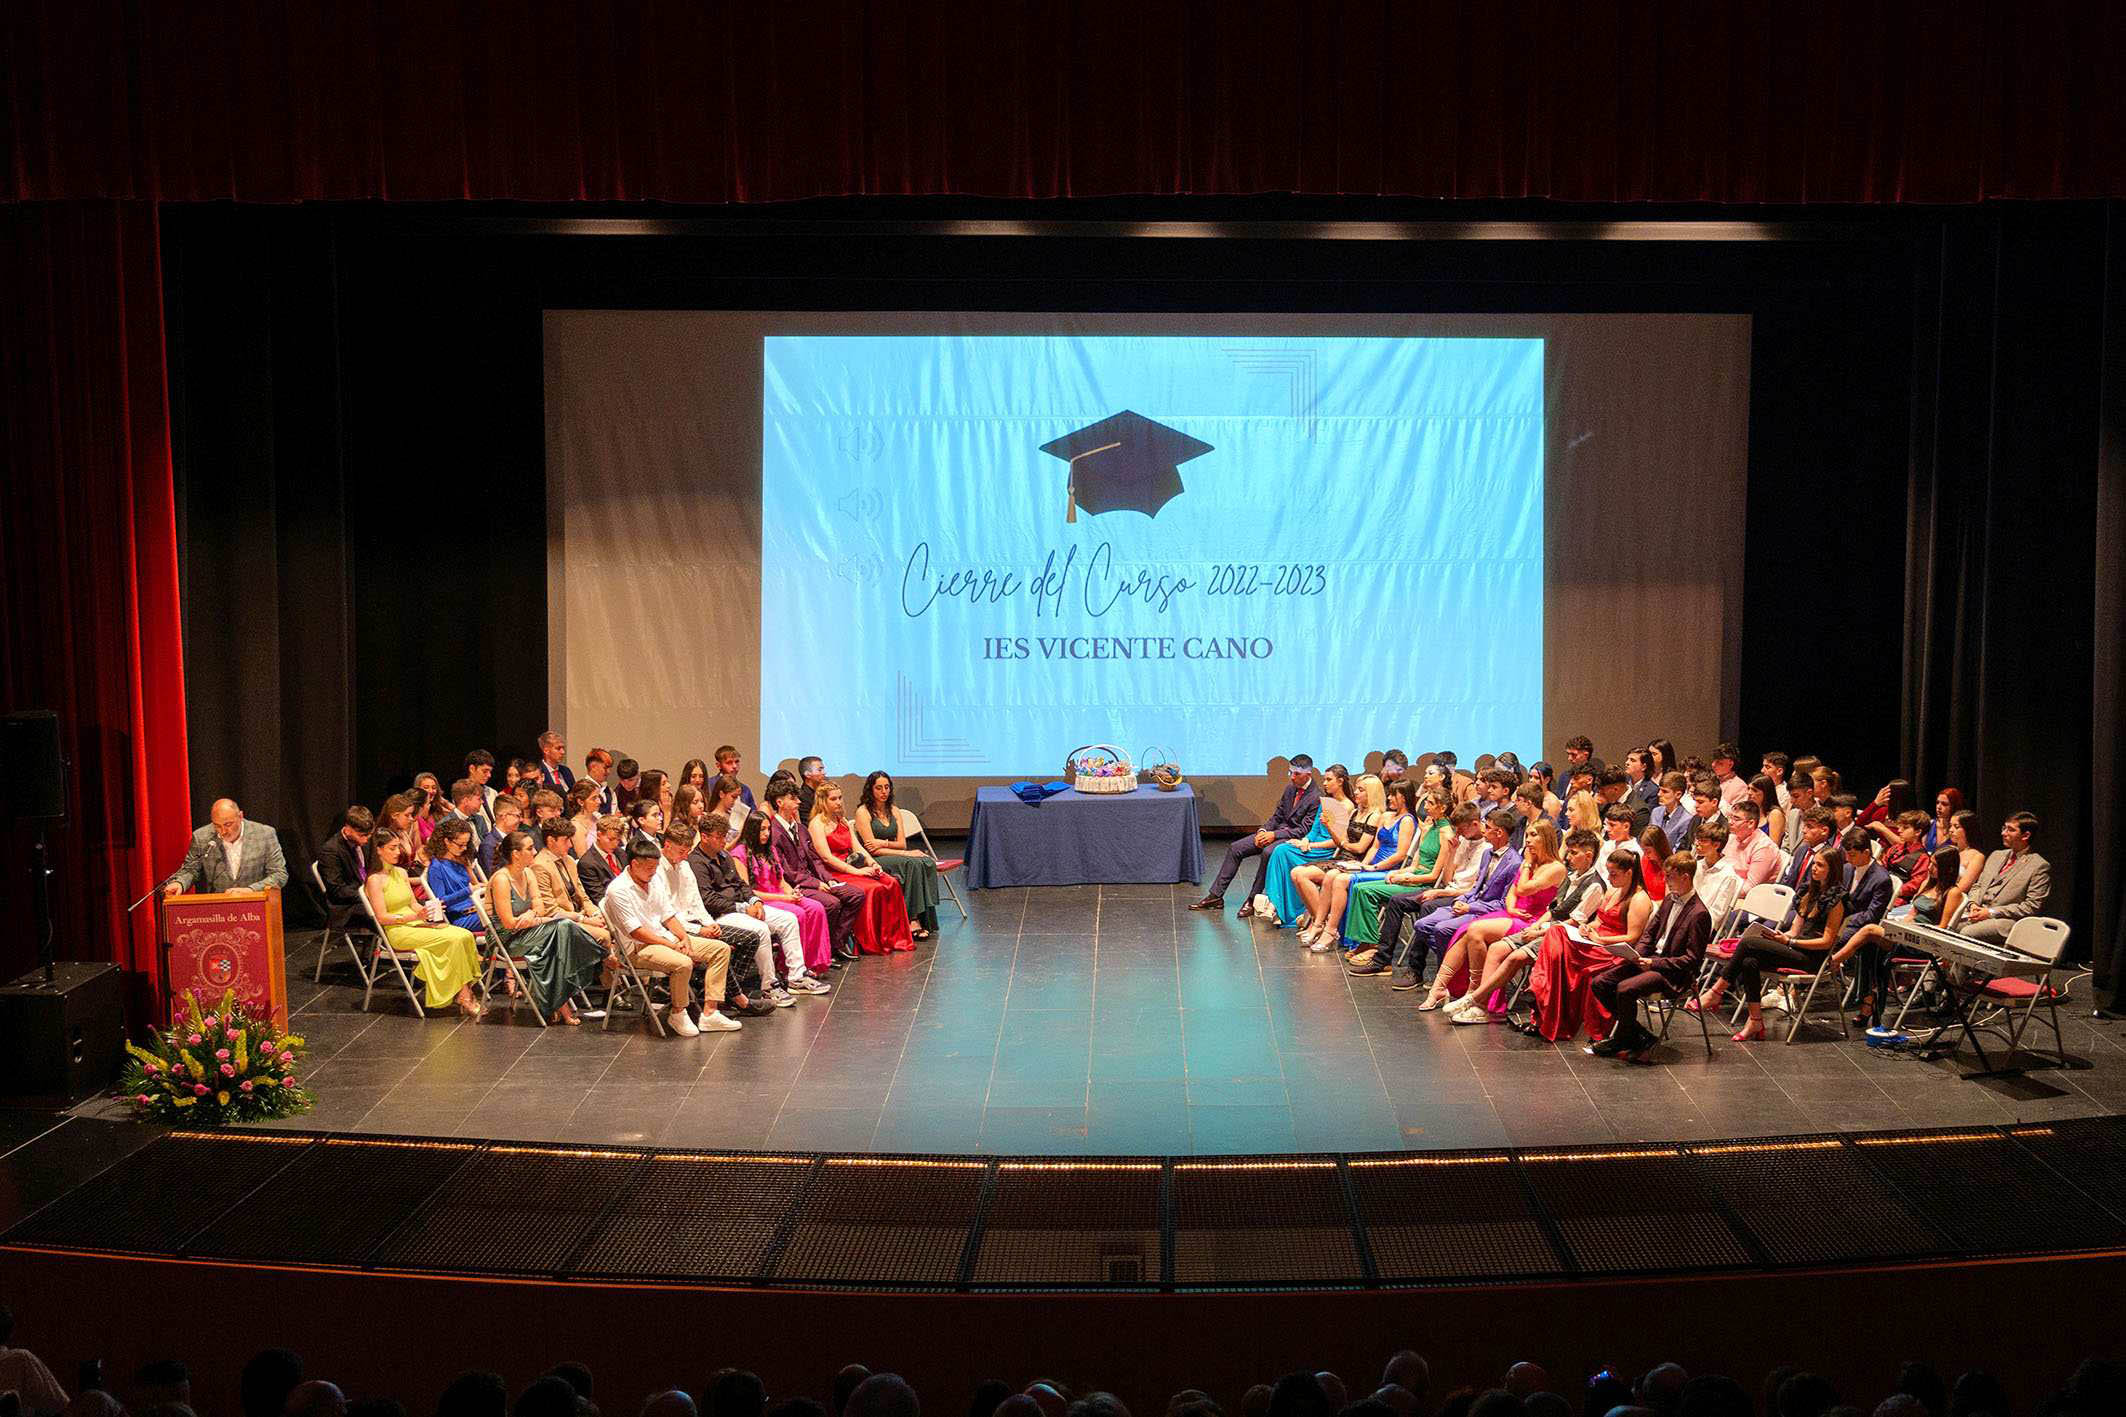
[(228, 1070), (192, 1038), (152, 1068), (221, 1052), (287, 1057), (210, 1020), (199, 1089), (143, 1099), (247, 1087), (231, 1035)]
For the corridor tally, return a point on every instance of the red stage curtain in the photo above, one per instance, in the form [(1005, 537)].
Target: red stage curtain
[(675, 100), (88, 566)]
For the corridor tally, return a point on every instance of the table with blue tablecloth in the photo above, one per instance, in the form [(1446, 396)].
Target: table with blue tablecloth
[(1080, 838)]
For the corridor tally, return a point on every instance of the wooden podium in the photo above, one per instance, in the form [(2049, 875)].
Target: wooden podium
[(230, 940)]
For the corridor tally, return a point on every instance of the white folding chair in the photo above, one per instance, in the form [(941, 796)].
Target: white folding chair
[(348, 933), (1829, 969), (631, 979), (1770, 901), (498, 957), (912, 830), (381, 953)]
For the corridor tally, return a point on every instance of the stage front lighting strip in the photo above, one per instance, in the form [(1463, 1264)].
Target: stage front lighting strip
[(1490, 1159), (1743, 1148)]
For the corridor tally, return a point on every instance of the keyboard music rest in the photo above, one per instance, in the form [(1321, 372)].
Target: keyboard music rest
[(1952, 948)]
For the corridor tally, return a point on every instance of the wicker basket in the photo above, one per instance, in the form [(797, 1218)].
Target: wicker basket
[(1101, 767), (1159, 769)]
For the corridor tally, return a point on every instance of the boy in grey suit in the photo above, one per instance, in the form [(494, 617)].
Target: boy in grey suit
[(2012, 884)]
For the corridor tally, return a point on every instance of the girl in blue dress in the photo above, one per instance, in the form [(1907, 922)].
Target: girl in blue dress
[(1391, 846), (1319, 844)]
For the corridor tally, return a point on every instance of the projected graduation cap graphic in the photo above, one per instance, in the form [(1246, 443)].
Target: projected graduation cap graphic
[(1124, 463)]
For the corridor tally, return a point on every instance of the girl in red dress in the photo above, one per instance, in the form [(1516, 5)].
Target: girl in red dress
[(1566, 965), (883, 925)]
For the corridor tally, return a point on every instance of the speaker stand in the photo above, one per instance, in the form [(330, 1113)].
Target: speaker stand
[(41, 904)]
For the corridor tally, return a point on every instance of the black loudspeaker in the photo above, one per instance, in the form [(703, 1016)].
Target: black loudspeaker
[(32, 772), (62, 1041)]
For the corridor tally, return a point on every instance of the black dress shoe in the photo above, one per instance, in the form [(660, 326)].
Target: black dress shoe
[(845, 952), (1245, 911), (1209, 902), (1608, 1047)]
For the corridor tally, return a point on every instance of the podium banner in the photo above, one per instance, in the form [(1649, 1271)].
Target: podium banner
[(229, 940)]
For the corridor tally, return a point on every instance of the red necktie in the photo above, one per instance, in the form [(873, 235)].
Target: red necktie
[(611, 864)]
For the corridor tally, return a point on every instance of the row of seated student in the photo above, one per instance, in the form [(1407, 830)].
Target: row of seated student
[(752, 901), (1621, 884)]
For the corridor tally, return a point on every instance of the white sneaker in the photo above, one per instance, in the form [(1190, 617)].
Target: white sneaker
[(806, 984), (677, 1021), (780, 997), (714, 1022)]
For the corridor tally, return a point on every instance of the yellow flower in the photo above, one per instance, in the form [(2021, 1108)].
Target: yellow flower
[(183, 1101), (222, 1098), (191, 1063), (141, 1053), (242, 1055)]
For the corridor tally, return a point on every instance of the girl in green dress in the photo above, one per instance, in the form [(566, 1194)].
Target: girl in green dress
[(880, 828), (1362, 921), (559, 955)]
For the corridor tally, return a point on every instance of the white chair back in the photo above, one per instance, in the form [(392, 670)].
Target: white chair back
[(2039, 936), (1770, 901)]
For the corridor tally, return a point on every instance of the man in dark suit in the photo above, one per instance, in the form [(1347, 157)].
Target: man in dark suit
[(603, 861), (1869, 890), (1679, 931), (552, 772), (509, 815), (469, 805), (343, 864), (1639, 786), (598, 767), (802, 870), (1294, 816), (811, 776)]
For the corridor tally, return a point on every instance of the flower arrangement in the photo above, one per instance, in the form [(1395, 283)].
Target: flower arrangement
[(213, 1067)]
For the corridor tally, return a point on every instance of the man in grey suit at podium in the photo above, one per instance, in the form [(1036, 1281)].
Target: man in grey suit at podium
[(2012, 884), (230, 854)]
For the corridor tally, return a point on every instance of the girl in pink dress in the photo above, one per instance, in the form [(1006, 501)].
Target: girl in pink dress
[(757, 859), (1542, 872)]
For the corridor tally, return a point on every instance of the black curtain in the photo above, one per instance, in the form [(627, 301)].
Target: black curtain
[(2013, 611), (362, 505)]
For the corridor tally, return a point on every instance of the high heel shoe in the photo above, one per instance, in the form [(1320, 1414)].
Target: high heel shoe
[(1433, 1001), (1751, 1033)]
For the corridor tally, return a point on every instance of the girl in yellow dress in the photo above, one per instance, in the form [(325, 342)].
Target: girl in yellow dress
[(449, 959)]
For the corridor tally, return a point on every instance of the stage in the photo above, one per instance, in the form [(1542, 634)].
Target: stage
[(1106, 1020)]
